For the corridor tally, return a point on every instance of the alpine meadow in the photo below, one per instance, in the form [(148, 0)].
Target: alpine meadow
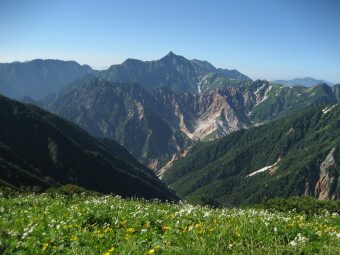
[(169, 127)]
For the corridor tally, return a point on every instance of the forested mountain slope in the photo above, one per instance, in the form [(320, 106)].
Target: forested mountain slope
[(38, 148), (296, 155)]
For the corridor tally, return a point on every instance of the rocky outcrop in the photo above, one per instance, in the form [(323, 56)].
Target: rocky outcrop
[(326, 179)]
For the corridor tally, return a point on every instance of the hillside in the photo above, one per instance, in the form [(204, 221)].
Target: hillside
[(38, 78), (40, 150), (297, 155)]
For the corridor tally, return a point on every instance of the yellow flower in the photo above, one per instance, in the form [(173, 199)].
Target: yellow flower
[(106, 253), (238, 234), (101, 235), (130, 230), (152, 251), (164, 228), (45, 246), (74, 238), (170, 216), (112, 249)]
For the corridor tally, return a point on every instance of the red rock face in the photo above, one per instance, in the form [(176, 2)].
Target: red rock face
[(218, 112)]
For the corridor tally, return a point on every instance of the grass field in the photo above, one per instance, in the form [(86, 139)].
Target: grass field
[(42, 224)]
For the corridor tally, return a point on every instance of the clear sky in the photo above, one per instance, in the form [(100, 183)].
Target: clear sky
[(265, 39)]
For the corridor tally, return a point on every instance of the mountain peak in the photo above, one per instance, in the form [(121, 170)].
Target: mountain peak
[(171, 55)]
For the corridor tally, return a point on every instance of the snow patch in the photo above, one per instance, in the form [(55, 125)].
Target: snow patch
[(328, 109), (270, 87), (204, 79), (257, 91), (262, 169)]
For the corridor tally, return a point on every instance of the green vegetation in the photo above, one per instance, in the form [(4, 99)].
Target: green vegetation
[(303, 204), (298, 145), (41, 224), (124, 112), (39, 150), (284, 101)]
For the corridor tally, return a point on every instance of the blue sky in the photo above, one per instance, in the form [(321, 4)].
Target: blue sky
[(263, 39)]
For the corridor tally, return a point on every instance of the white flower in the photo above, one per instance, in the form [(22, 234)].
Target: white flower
[(293, 243)]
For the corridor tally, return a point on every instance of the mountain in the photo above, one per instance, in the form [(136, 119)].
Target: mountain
[(175, 72), (307, 82), (125, 112), (296, 155), (38, 78), (280, 101), (160, 123), (38, 148)]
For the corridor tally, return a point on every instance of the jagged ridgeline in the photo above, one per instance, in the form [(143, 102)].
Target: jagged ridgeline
[(39, 149), (297, 155)]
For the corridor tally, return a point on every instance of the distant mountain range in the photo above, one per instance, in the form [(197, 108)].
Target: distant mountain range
[(296, 155), (307, 82), (39, 149), (38, 78)]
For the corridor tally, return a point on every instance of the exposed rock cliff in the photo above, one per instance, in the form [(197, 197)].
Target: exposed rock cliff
[(323, 187)]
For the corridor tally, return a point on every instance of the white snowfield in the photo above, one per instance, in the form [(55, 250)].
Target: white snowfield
[(328, 109), (262, 170)]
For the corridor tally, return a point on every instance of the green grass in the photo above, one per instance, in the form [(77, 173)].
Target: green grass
[(42, 224)]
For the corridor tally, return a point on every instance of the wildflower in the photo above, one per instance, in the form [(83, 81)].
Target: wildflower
[(164, 228), (73, 238), (45, 246), (152, 251), (238, 234), (130, 230), (107, 230), (112, 249), (293, 243), (170, 216)]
